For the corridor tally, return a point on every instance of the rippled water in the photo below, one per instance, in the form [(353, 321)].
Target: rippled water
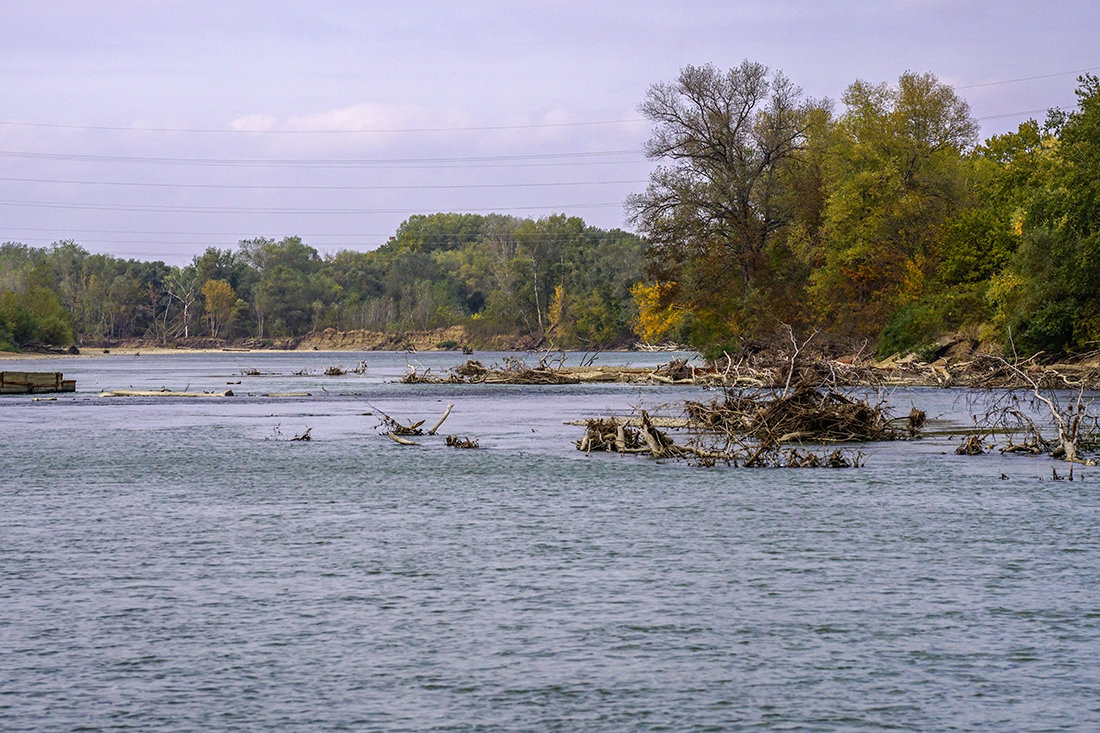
[(171, 565)]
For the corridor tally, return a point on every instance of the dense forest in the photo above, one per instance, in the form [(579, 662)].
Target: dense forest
[(884, 221), (553, 278)]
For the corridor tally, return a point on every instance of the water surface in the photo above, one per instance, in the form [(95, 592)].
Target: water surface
[(174, 565)]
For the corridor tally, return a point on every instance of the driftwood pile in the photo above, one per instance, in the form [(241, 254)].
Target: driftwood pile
[(995, 372), (751, 430), (980, 371), (805, 415), (474, 372)]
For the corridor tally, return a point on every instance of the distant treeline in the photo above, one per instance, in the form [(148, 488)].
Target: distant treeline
[(885, 221), (554, 277)]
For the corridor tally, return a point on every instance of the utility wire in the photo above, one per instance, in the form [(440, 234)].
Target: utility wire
[(524, 159), (236, 235), (161, 184), (1014, 114), (364, 131), (282, 210), (1027, 78)]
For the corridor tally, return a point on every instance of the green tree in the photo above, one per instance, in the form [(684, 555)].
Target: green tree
[(283, 296), (712, 210), (1049, 299), (34, 315), (895, 178)]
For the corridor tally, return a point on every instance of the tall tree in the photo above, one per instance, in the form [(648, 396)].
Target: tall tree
[(1049, 296), (183, 286), (219, 299), (896, 177), (711, 209)]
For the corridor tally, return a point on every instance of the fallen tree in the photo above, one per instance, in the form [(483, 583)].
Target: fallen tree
[(756, 429), (1013, 414), (780, 371), (403, 432)]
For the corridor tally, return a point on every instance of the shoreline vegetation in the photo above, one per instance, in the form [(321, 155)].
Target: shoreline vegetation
[(769, 216), (956, 362)]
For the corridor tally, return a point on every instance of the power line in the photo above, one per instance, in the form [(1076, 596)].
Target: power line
[(1028, 78), (161, 184), (413, 130), (235, 234), (1013, 114), (548, 239), (280, 210), (174, 233), (362, 131), (486, 161)]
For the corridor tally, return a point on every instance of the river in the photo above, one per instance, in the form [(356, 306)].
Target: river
[(177, 564)]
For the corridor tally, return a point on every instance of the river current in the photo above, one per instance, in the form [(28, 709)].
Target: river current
[(178, 564)]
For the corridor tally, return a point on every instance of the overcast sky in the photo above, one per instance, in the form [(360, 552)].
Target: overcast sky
[(154, 129)]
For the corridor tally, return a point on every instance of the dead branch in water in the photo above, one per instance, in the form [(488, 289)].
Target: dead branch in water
[(748, 430), (1011, 413), (400, 440), (401, 433), (446, 414), (464, 442), (806, 415), (391, 425)]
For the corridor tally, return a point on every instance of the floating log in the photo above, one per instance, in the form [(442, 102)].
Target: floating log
[(35, 383), (446, 413), (162, 393)]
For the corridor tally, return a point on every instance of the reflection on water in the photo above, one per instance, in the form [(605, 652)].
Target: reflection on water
[(170, 565)]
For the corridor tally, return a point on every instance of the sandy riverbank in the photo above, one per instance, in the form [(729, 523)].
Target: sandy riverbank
[(133, 351), (453, 338)]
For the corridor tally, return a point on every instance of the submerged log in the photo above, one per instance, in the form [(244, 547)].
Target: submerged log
[(163, 393), (400, 440)]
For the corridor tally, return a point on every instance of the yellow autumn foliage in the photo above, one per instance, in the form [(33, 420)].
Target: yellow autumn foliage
[(557, 306), (656, 319)]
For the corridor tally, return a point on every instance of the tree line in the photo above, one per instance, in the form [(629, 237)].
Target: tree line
[(882, 219), (554, 278), (885, 221)]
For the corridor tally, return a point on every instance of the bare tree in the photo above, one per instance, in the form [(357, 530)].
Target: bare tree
[(1047, 390), (182, 285), (724, 138)]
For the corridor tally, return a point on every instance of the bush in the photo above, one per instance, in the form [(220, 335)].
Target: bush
[(914, 327), (1050, 328), (34, 315)]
